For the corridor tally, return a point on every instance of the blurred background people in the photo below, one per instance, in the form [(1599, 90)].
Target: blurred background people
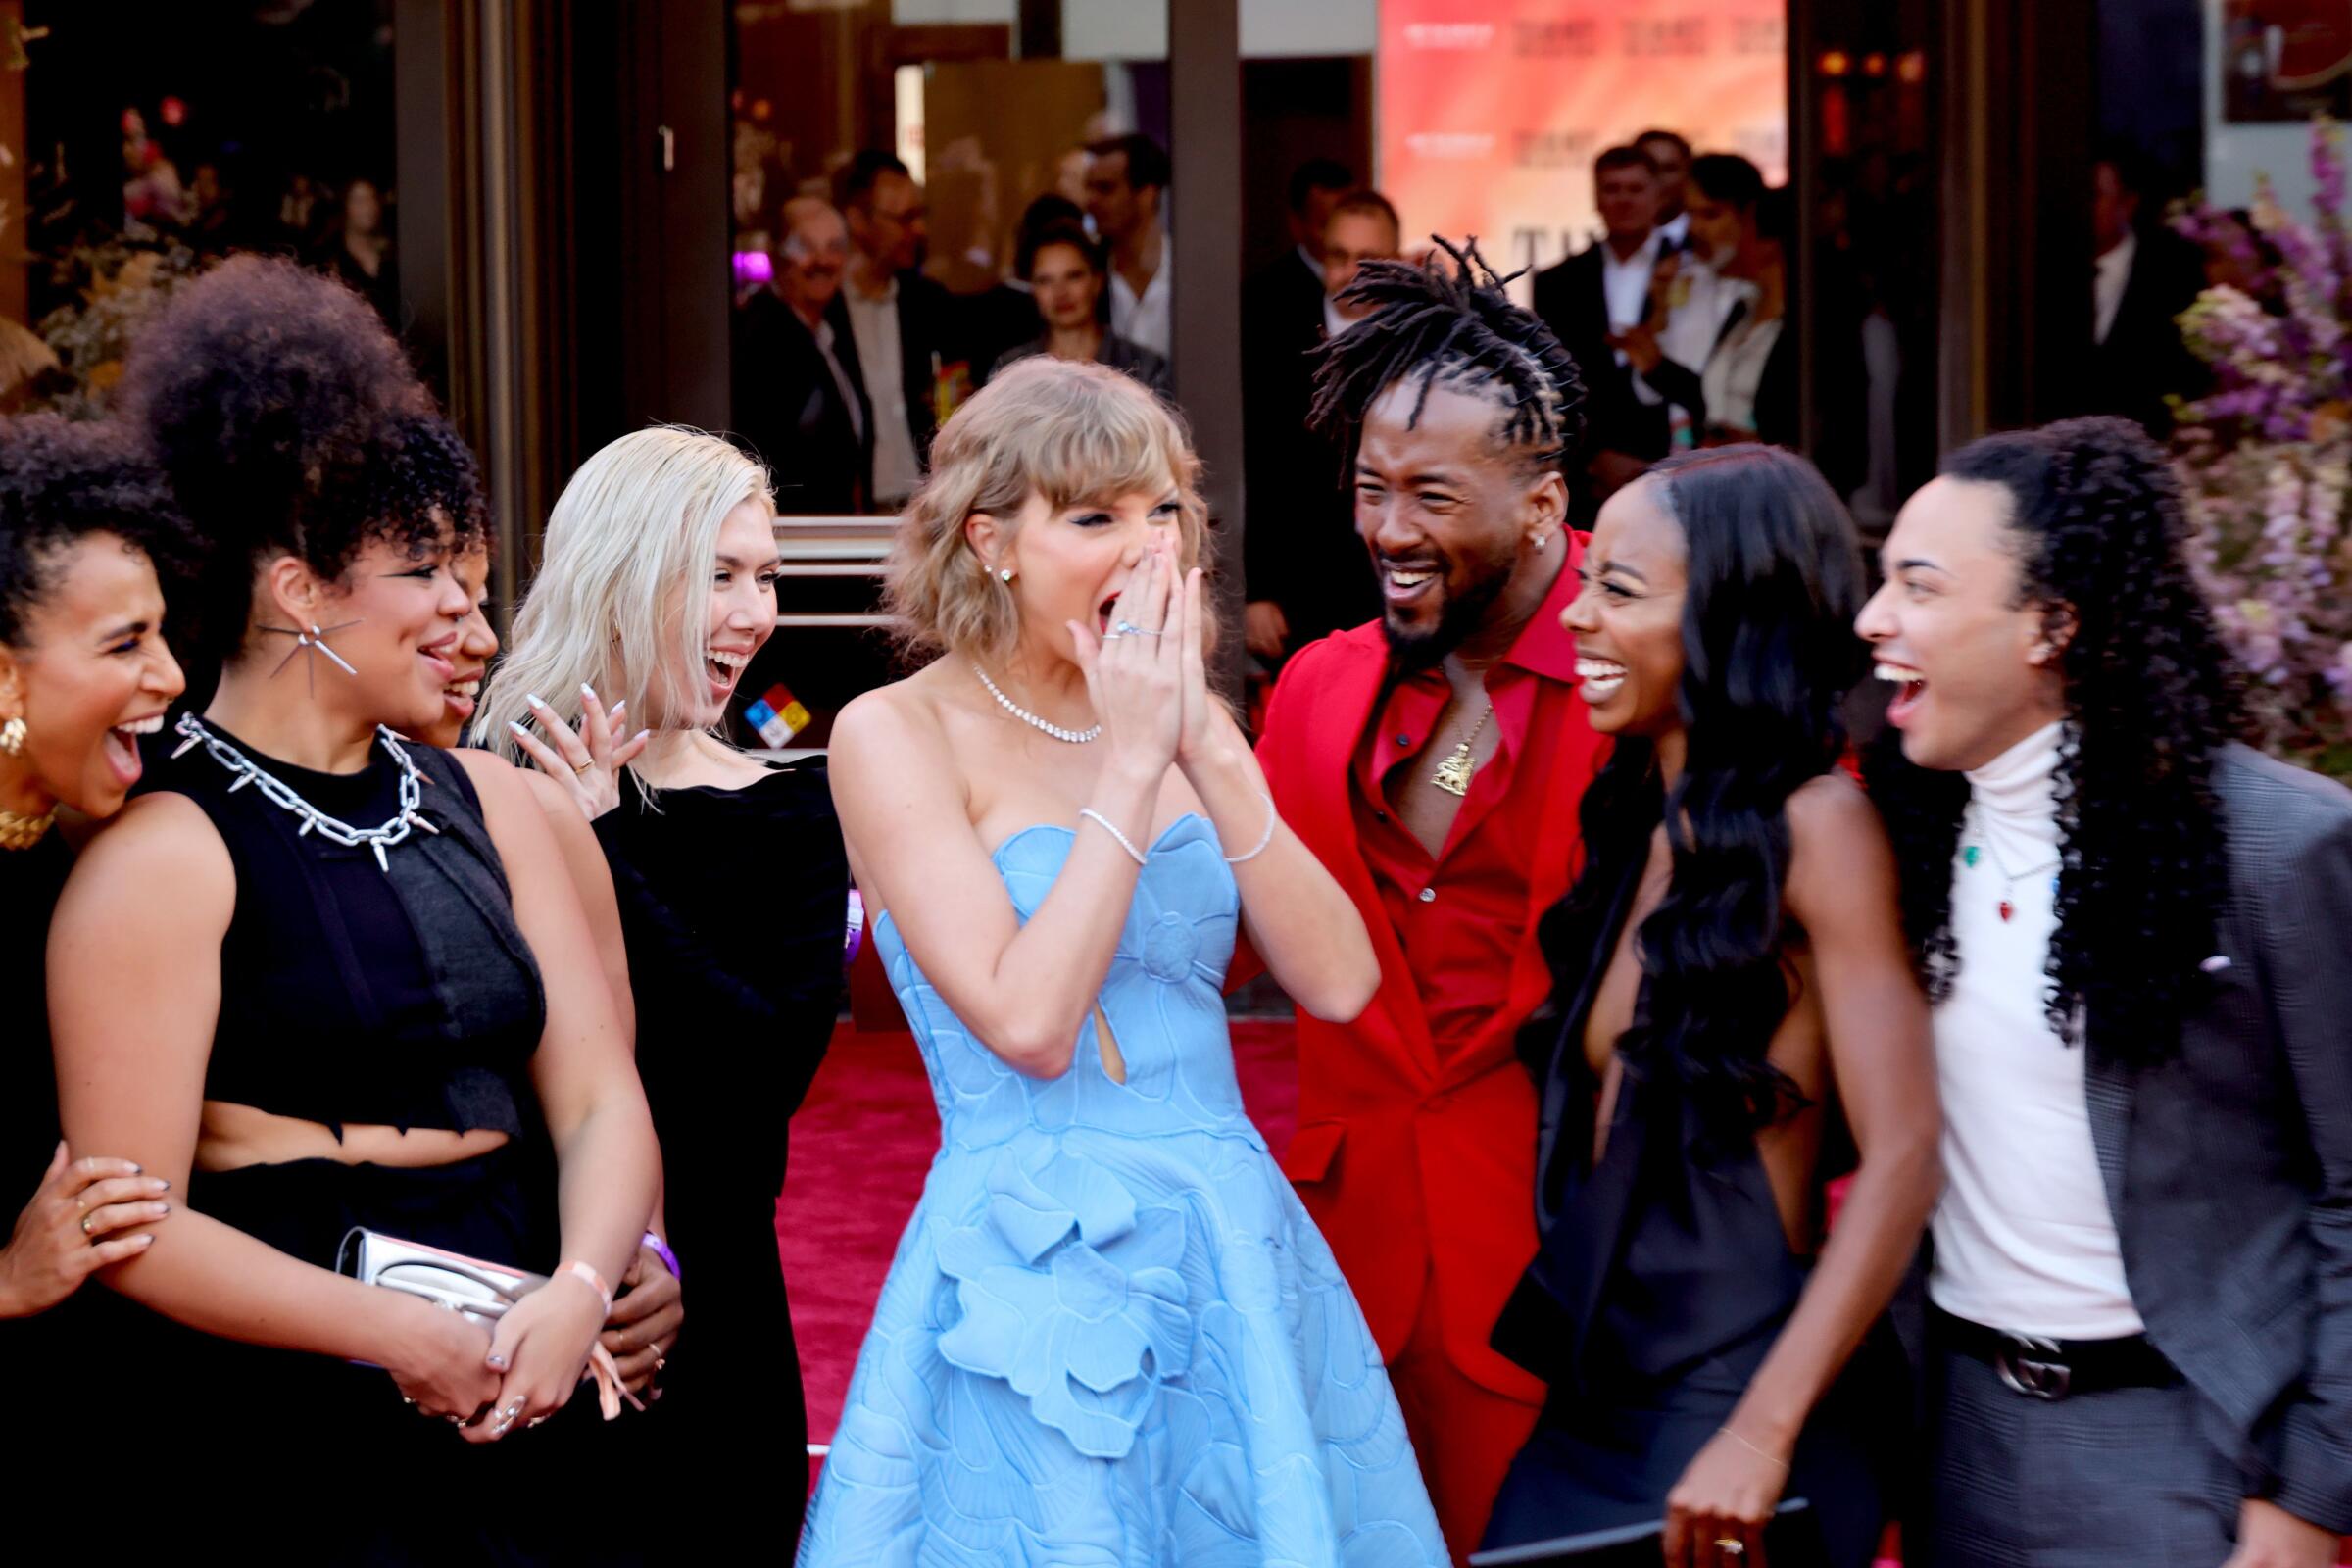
[(2142, 279), (1126, 194), (900, 320), (800, 391), (1670, 155), (1602, 290), (1067, 275), (1305, 572)]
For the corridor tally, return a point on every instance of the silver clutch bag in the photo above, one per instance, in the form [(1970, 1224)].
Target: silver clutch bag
[(481, 1291)]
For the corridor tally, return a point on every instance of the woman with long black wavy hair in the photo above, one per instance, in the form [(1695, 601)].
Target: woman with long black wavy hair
[(1732, 1001), (2137, 935)]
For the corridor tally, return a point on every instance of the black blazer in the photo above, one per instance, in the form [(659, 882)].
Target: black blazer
[(1299, 543), (789, 407), (2144, 356), (1573, 302), (2229, 1169)]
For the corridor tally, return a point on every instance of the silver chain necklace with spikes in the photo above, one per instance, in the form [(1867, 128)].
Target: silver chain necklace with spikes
[(247, 772)]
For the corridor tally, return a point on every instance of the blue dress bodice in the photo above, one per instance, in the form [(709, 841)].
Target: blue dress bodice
[(1164, 998)]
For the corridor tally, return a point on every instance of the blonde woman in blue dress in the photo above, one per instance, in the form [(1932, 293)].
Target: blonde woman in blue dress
[(1112, 1334)]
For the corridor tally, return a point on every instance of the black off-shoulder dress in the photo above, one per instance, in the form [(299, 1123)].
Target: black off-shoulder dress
[(732, 903)]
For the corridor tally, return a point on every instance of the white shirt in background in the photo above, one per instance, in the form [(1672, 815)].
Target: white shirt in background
[(2025, 1241), (2113, 276), (1146, 319), (874, 323), (1625, 294)]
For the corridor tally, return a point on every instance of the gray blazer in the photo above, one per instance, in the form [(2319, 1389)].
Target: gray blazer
[(2230, 1168)]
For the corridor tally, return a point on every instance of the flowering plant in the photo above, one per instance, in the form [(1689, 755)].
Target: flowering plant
[(2265, 454)]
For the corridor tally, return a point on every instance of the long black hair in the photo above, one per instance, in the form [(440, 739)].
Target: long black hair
[(2099, 526), (1444, 326), (1775, 582)]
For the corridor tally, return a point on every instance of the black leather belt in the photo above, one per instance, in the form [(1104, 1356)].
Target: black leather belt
[(2052, 1369)]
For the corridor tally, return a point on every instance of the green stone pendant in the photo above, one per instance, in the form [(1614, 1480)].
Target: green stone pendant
[(1968, 857)]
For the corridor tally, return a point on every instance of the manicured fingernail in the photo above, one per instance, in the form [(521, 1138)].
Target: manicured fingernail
[(156, 1183), (516, 728), (645, 734), (588, 691), (534, 699), (498, 1361), (160, 1209), (143, 1241)]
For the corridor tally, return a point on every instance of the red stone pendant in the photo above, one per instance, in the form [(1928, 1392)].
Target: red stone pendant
[(2007, 909)]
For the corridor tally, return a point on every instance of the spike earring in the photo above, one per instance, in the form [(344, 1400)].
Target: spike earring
[(309, 642), (12, 736)]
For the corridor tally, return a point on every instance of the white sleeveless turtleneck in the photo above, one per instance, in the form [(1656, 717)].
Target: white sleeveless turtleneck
[(2024, 1238)]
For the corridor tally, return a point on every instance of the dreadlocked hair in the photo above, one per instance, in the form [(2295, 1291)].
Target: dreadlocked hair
[(1449, 326), (2151, 696)]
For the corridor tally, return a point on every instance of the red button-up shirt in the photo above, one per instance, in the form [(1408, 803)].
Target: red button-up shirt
[(1461, 914)]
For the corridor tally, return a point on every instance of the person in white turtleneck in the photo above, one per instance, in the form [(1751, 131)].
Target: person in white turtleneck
[(2137, 936), (2024, 1238)]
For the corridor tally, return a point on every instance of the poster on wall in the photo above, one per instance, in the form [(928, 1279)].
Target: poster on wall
[(2285, 60), (1491, 112)]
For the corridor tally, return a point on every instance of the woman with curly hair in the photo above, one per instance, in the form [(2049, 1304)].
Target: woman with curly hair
[(1111, 1334), (368, 998), (85, 672), (2137, 935), (1731, 1004)]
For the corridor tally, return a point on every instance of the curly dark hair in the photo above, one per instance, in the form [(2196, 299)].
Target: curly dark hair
[(1451, 326), (62, 482), (2151, 696), (288, 420), (1775, 582)]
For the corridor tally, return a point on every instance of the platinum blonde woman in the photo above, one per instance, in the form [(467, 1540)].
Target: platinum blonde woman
[(1111, 1334), (657, 586)]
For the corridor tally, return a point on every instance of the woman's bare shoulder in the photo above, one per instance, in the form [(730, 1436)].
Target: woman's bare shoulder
[(161, 852)]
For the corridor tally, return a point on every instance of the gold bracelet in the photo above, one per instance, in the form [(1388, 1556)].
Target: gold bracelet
[(1753, 1449)]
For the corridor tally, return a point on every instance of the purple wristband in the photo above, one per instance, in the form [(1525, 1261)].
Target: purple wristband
[(669, 1259)]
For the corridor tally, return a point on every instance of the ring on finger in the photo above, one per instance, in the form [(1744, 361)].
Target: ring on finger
[(1730, 1545), (87, 1228), (578, 768)]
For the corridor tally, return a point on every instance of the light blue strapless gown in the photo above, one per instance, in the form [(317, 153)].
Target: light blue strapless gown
[(1111, 1336)]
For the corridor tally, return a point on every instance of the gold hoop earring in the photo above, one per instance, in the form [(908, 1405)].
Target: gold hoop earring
[(12, 736)]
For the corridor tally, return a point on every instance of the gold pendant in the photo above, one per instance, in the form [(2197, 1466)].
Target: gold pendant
[(1454, 774)]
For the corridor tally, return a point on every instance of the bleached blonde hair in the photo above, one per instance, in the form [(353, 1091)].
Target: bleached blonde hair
[(1077, 433), (617, 601)]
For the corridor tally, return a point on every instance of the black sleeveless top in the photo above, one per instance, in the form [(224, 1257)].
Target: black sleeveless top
[(398, 994), (1666, 1259)]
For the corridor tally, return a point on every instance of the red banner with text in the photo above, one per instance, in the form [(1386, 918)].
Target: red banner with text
[(1491, 112)]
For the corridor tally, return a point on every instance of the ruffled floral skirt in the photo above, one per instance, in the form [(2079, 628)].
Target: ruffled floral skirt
[(1099, 1349)]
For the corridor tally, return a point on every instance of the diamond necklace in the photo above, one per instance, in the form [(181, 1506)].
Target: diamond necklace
[(1076, 737), (379, 839)]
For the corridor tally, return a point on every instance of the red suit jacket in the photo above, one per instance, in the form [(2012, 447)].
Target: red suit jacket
[(1411, 1165)]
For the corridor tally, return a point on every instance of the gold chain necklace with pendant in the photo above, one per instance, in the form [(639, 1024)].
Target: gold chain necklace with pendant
[(1454, 774)]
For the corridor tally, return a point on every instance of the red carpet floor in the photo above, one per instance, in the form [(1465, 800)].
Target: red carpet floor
[(860, 1147)]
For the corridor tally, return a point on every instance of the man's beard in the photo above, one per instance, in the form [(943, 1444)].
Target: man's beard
[(1463, 617)]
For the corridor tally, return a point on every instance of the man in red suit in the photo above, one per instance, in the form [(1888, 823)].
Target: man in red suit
[(1434, 761)]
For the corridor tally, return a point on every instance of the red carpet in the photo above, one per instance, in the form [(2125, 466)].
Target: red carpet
[(860, 1147)]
